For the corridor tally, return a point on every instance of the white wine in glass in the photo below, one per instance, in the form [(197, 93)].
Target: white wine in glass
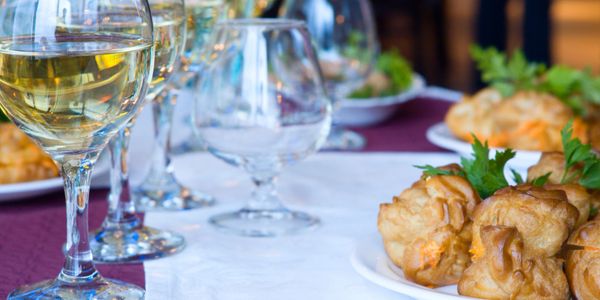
[(71, 88), (64, 100)]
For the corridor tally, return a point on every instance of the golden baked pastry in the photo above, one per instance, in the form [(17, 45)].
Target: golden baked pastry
[(474, 115), (578, 196), (550, 162), (426, 230), (554, 163), (543, 217), (524, 121), (583, 263), (533, 121), (20, 159), (505, 271)]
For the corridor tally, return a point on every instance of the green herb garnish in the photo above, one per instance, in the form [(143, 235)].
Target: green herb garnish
[(510, 75), (485, 175), (542, 180), (507, 75), (430, 170), (539, 181), (517, 177), (393, 66), (3, 117), (593, 212), (578, 154)]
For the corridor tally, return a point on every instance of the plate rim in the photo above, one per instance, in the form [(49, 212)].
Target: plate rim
[(417, 86), (416, 291), (460, 146), (43, 185)]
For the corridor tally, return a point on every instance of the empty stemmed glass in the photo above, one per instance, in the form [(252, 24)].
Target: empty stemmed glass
[(346, 39), (232, 9), (261, 105), (122, 236), (160, 190), (70, 81)]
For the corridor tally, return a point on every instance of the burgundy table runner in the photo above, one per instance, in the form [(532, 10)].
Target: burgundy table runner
[(32, 232)]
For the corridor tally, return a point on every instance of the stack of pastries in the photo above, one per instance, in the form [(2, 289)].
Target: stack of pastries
[(20, 159), (527, 120), (523, 242)]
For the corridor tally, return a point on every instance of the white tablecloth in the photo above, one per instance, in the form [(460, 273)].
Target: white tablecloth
[(344, 190)]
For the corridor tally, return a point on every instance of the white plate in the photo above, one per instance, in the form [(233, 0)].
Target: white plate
[(26, 190), (370, 260), (368, 112), (440, 135)]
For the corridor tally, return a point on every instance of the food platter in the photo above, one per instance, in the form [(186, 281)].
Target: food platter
[(370, 111), (370, 261), (440, 135), (26, 190)]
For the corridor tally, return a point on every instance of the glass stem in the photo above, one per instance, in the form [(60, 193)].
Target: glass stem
[(163, 107), (264, 196), (76, 172), (121, 208)]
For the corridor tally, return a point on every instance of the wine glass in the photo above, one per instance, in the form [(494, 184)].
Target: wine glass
[(160, 190), (70, 81), (346, 39), (122, 236), (239, 9), (232, 9), (261, 105)]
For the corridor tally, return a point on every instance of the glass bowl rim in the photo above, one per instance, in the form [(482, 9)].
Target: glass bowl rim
[(266, 23)]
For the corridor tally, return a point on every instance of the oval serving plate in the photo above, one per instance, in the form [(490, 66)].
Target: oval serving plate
[(370, 261)]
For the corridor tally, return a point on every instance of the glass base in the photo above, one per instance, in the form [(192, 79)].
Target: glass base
[(171, 199), (191, 144), (132, 245), (264, 223), (96, 289), (344, 139)]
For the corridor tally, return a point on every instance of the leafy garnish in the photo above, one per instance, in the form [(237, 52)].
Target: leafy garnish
[(507, 75), (485, 174), (593, 212), (510, 75), (3, 117), (430, 170), (398, 71), (542, 180), (578, 154), (517, 177)]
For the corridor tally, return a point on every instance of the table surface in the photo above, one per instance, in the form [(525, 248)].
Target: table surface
[(33, 231)]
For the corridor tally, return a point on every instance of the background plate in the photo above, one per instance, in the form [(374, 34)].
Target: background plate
[(371, 111), (25, 190), (440, 135)]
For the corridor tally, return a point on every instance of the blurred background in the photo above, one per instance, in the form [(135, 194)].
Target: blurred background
[(434, 35)]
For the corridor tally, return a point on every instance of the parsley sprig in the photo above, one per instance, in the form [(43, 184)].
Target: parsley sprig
[(512, 74), (3, 117), (581, 163), (393, 66), (485, 175)]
